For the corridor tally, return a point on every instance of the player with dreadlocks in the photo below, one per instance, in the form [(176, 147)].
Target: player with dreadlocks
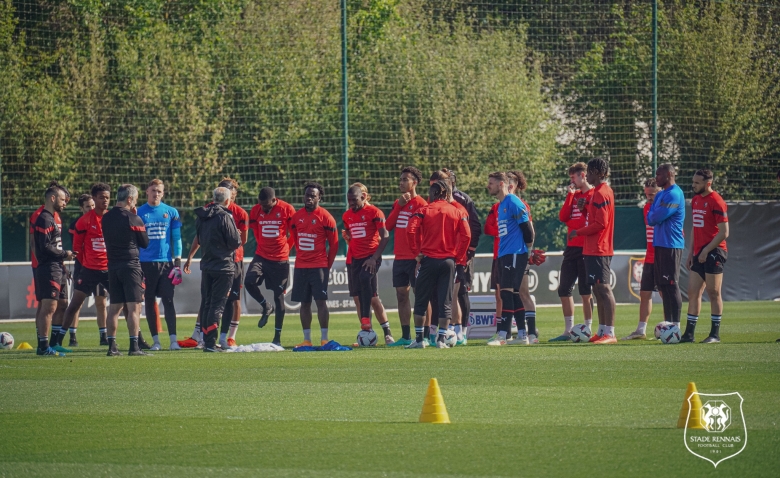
[(598, 249)]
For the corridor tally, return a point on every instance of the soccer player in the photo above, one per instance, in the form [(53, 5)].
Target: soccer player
[(573, 265), (62, 302), (437, 234), (405, 263), (161, 260), (316, 244), (50, 273), (707, 256), (464, 271), (86, 204), (516, 236), (365, 225), (91, 250), (217, 233), (598, 250), (525, 311), (270, 222), (124, 233), (667, 215), (376, 302), (647, 283)]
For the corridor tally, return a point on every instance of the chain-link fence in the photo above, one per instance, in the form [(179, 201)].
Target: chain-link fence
[(190, 91)]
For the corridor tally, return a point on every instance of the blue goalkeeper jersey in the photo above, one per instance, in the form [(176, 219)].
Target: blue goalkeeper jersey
[(667, 215), (162, 224), (511, 213)]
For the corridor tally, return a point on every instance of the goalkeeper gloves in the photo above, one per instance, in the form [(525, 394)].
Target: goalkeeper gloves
[(537, 257)]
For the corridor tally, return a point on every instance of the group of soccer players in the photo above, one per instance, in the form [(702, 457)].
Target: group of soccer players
[(133, 255)]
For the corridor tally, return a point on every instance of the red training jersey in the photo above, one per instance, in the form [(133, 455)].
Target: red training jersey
[(88, 242), (708, 211), (363, 226), (491, 228), (310, 232), (600, 222), (439, 230), (461, 260), (649, 232), (241, 218), (271, 230), (399, 219), (33, 218), (574, 219)]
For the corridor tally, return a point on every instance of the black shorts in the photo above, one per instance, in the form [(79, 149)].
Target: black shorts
[(76, 270), (512, 270), (238, 282), (404, 272), (667, 266), (275, 274), (436, 278), (573, 271), (92, 282), (495, 275), (714, 264), (353, 276), (126, 285), (597, 268), (464, 275), (310, 283), (156, 280), (647, 283), (50, 281)]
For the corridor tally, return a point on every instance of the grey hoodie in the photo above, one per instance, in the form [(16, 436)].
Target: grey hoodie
[(218, 238)]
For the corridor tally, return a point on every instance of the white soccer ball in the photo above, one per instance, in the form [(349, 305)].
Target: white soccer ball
[(670, 334), (366, 338), (659, 328), (6, 340), (580, 333), (450, 338)]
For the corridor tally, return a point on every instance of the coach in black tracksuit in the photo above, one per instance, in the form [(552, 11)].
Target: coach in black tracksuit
[(219, 239)]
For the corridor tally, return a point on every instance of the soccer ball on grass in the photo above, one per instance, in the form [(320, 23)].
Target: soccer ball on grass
[(366, 338), (580, 333), (6, 340)]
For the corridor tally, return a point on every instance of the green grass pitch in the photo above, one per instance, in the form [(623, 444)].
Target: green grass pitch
[(549, 410)]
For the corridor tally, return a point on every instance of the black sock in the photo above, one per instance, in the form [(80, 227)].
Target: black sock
[(406, 332), (715, 329), (134, 343), (54, 334), (386, 328), (426, 332), (419, 335), (43, 343), (112, 343)]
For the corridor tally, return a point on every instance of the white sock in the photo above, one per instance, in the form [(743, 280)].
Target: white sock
[(307, 335), (609, 330), (589, 323), (458, 331), (502, 334), (601, 330), (642, 327), (156, 339), (222, 337), (197, 335), (173, 338), (677, 324), (232, 330), (569, 321), (324, 334)]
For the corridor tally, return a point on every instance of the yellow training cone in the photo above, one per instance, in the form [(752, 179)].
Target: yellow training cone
[(434, 410), (24, 346), (694, 407)]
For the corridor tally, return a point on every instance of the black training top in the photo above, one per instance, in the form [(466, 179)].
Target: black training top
[(48, 241), (123, 233)]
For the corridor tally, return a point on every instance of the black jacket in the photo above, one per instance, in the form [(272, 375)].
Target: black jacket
[(218, 237), (474, 223)]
